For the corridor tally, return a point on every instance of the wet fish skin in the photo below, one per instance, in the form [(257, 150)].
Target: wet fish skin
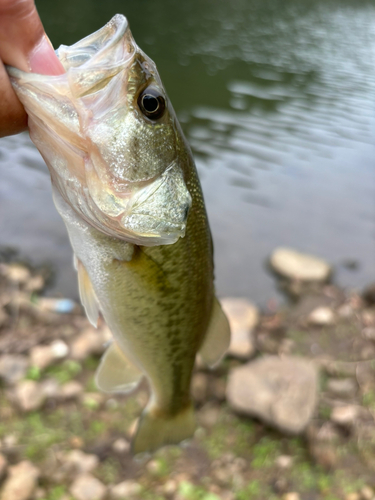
[(124, 186)]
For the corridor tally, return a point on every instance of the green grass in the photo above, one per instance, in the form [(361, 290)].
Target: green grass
[(65, 371), (264, 452), (189, 491)]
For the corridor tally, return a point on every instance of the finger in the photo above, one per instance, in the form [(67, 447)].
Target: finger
[(13, 118), (23, 43)]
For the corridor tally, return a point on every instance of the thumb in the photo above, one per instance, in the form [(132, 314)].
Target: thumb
[(23, 43)]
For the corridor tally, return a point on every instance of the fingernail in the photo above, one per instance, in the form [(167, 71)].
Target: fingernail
[(43, 59)]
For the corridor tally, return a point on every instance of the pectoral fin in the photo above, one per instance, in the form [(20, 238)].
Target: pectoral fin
[(217, 337), (87, 294), (116, 373)]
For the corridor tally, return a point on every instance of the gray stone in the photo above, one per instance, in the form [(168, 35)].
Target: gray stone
[(282, 392), (126, 489), (345, 416), (284, 461), (77, 462), (21, 482), (322, 316), (71, 390), (50, 388), (199, 387), (292, 495), (87, 487), (17, 273), (299, 266), (243, 317), (90, 341), (342, 387), (13, 367), (29, 395), (121, 446), (367, 493)]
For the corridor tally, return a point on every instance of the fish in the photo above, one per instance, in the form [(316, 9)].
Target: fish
[(126, 186)]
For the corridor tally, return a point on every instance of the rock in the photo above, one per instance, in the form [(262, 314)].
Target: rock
[(17, 273), (87, 487), (126, 489), (284, 461), (321, 316), (353, 496), (89, 342), (345, 416), (280, 485), (21, 482), (369, 333), (341, 368), (43, 356), (298, 266), (368, 317), (13, 367), (170, 487), (77, 462), (324, 454), (209, 415), (29, 395), (292, 495), (50, 388), (40, 494), (243, 317), (282, 392), (71, 390), (369, 294), (367, 493), (199, 386), (342, 387), (345, 311), (3, 466), (218, 388), (121, 446), (35, 284)]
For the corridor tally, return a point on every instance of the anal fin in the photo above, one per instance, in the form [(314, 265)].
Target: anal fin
[(87, 294), (116, 374), (217, 339)]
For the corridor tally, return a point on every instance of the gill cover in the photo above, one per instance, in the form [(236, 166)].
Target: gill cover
[(110, 137)]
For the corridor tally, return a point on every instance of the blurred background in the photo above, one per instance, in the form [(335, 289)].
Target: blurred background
[(276, 98), (277, 101)]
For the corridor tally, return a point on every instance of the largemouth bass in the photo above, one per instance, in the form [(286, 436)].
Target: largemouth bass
[(125, 184)]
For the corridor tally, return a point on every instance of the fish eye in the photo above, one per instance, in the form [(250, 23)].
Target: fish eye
[(151, 103)]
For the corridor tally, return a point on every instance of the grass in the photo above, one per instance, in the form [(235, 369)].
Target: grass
[(190, 491)]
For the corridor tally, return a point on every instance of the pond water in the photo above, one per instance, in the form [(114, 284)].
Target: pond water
[(277, 100)]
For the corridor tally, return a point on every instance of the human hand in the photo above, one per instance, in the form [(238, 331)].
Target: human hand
[(24, 45)]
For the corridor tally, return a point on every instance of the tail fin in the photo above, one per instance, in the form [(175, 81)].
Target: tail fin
[(156, 430)]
